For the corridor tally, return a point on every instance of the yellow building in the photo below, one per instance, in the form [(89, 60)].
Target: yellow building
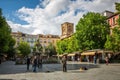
[(45, 40)]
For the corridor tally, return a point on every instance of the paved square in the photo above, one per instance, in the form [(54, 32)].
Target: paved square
[(9, 71)]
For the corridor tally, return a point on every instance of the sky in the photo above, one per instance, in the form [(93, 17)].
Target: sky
[(46, 16)]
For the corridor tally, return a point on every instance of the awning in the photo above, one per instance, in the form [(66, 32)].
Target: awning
[(88, 53), (72, 54), (60, 55)]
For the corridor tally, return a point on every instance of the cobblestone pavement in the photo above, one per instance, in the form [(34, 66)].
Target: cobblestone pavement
[(9, 71)]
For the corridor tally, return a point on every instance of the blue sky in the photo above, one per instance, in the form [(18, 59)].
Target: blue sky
[(46, 16), (9, 8)]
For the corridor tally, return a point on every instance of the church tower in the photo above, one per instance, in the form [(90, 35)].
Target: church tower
[(67, 29)]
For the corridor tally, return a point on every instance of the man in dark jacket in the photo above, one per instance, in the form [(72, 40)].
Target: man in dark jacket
[(34, 63), (39, 61), (64, 63), (28, 63)]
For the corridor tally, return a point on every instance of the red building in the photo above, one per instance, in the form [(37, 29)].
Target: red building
[(111, 19)]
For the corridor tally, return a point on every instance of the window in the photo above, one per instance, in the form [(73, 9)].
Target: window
[(108, 21), (49, 40), (41, 41), (44, 41), (113, 21), (105, 14), (53, 41)]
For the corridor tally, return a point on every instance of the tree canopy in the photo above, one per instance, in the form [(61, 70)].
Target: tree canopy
[(5, 34), (113, 41), (51, 50), (91, 31), (67, 45), (117, 7), (24, 48), (11, 50), (38, 47)]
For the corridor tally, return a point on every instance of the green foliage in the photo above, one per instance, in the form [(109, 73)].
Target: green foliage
[(58, 47), (117, 6), (5, 36), (109, 45), (24, 48), (11, 50), (38, 47), (115, 43), (91, 31), (51, 50), (72, 44), (62, 46), (67, 45)]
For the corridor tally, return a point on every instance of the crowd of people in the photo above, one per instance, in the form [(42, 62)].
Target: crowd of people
[(36, 61)]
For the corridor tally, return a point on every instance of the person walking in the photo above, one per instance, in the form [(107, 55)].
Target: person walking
[(34, 63), (106, 60), (64, 63), (28, 62), (95, 57), (40, 62)]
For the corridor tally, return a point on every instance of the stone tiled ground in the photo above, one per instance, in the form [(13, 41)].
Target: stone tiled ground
[(9, 71)]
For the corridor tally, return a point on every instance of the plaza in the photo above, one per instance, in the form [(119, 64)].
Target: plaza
[(10, 71)]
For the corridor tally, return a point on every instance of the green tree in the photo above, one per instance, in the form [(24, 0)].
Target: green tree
[(117, 6), (51, 49), (91, 31), (58, 48), (38, 47), (5, 36), (72, 44), (113, 41), (11, 50), (67, 45), (62, 46), (24, 48)]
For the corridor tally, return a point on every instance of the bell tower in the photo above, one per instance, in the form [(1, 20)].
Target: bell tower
[(67, 29)]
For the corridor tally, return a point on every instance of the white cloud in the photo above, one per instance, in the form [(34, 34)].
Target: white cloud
[(48, 21)]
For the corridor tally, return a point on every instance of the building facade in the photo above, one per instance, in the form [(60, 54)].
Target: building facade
[(45, 40), (111, 19), (67, 29), (107, 13), (30, 39), (19, 36)]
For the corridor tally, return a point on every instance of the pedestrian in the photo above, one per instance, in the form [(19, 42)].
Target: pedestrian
[(40, 62), (64, 63), (34, 63), (106, 60), (28, 62), (87, 58), (95, 57)]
